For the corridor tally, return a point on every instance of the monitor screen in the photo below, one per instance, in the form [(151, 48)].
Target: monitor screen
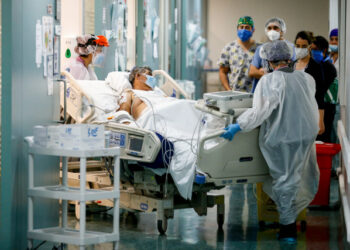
[(136, 144)]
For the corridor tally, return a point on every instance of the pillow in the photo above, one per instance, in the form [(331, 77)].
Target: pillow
[(118, 81), (104, 98)]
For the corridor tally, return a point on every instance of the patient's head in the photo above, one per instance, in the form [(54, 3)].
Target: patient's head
[(138, 77)]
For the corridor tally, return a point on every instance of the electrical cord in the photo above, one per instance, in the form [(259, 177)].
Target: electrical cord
[(193, 142), (108, 162), (41, 243)]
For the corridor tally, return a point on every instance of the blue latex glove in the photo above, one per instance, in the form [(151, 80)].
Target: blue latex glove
[(231, 130)]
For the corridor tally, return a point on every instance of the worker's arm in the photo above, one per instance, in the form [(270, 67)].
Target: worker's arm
[(321, 122), (263, 105), (223, 71), (125, 102), (254, 72)]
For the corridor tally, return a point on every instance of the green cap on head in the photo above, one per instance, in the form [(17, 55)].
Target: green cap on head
[(246, 20)]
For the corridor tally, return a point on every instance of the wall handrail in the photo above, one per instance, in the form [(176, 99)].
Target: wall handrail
[(345, 149)]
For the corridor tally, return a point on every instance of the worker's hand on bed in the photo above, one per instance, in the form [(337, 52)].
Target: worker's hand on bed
[(231, 130)]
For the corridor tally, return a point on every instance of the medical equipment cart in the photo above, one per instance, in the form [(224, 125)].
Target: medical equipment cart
[(63, 234)]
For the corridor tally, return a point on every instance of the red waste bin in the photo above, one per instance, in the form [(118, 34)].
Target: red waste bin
[(325, 153)]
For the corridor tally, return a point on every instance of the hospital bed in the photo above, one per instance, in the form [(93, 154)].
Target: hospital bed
[(227, 163)]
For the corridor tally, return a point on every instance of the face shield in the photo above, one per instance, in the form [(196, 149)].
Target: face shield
[(99, 56)]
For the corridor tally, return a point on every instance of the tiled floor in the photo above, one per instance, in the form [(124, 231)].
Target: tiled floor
[(241, 229)]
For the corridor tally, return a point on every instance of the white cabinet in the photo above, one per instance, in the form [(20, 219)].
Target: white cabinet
[(63, 192)]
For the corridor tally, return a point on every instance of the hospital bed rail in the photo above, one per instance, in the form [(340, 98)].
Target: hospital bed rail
[(170, 86), (344, 177), (74, 99), (233, 162)]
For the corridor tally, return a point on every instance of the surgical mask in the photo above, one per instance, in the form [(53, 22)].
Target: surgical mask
[(98, 60), (317, 55), (273, 35), (244, 34), (333, 48), (301, 52), (151, 81)]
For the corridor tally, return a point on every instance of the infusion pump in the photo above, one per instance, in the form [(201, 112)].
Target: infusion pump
[(135, 143)]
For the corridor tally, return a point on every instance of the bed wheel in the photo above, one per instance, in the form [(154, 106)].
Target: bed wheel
[(162, 226), (220, 219), (220, 215)]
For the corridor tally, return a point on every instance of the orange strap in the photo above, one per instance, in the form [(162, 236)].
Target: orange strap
[(102, 41)]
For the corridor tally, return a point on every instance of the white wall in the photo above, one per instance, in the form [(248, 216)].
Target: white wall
[(71, 26), (311, 15), (89, 17), (333, 14), (131, 34), (71, 17)]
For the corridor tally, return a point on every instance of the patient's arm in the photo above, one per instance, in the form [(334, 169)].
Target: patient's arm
[(126, 101), (132, 104)]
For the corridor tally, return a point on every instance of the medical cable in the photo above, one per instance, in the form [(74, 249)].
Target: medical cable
[(104, 110), (163, 129), (102, 211), (131, 107), (95, 106), (162, 152), (108, 162), (201, 124), (167, 165), (41, 243), (189, 141), (198, 126), (152, 108)]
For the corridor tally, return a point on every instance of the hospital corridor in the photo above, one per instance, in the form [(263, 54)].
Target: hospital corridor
[(241, 230), (174, 124)]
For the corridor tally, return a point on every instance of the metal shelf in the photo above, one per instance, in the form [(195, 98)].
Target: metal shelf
[(63, 192), (68, 193), (71, 236)]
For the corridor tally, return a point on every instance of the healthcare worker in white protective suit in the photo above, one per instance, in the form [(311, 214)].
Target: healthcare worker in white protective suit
[(284, 105), (91, 54)]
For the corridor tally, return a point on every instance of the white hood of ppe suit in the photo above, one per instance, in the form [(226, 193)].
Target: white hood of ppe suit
[(284, 105)]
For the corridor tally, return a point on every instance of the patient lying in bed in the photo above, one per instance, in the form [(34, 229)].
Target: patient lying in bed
[(177, 120), (141, 80)]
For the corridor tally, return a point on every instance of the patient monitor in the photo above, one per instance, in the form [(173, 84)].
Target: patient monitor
[(135, 143), (228, 101), (225, 104)]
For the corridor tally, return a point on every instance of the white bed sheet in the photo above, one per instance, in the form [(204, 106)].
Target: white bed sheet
[(180, 122)]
